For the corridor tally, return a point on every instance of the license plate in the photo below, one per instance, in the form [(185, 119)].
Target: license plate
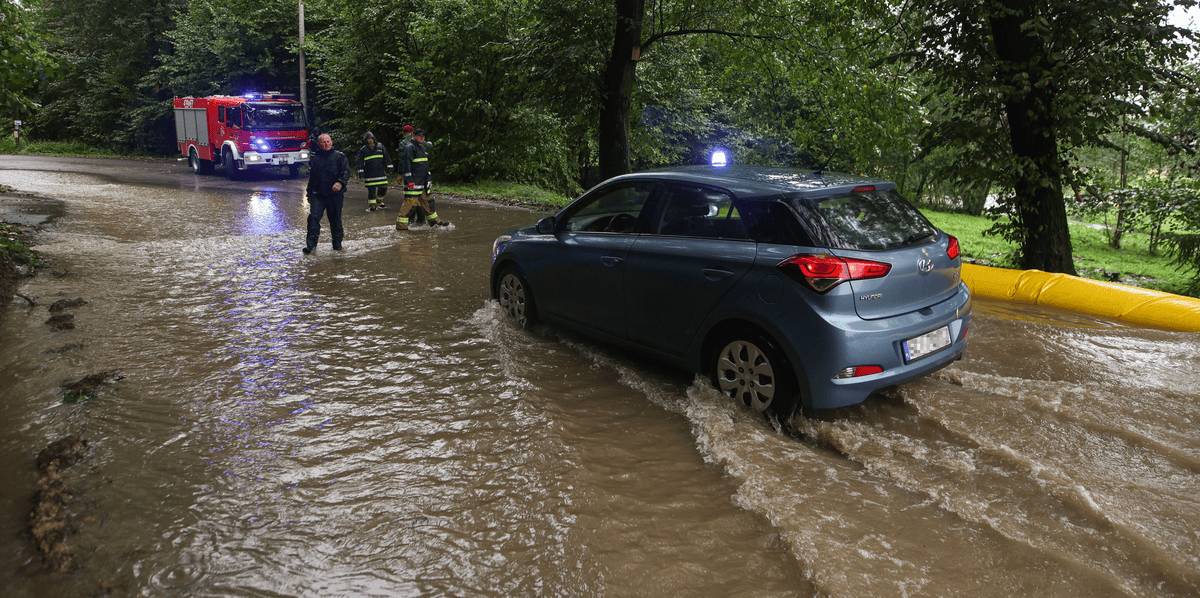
[(926, 344), (281, 158)]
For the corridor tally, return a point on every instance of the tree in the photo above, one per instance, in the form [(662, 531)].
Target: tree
[(107, 48), (593, 48), (630, 43), (1047, 77), (232, 47), (24, 63), (357, 57), (446, 66)]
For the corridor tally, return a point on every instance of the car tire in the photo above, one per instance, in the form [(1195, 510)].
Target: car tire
[(516, 298), (750, 369)]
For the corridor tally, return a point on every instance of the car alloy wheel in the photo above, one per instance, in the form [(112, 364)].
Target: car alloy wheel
[(515, 298), (750, 370)]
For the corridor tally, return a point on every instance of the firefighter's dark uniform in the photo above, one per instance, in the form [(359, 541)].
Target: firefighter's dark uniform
[(414, 163), (324, 169), (414, 215), (374, 164)]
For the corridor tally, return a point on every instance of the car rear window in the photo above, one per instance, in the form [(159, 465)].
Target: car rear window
[(869, 220)]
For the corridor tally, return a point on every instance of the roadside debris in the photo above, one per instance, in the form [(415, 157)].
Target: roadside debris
[(86, 388), (49, 522)]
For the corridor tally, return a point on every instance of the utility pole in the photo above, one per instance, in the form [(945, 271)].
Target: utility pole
[(303, 91)]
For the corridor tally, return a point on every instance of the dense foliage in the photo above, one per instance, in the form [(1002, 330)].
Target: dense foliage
[(1020, 84), (24, 63), (956, 100)]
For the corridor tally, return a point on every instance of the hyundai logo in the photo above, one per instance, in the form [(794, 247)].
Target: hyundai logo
[(925, 265)]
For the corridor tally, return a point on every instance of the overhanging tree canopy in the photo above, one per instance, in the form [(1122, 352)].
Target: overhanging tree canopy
[(1044, 77)]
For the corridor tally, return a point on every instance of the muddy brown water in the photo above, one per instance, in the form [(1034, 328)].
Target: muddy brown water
[(366, 423)]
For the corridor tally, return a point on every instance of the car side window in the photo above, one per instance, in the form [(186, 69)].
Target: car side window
[(772, 222), (694, 211), (613, 209)]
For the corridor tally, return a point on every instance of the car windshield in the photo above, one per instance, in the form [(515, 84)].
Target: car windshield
[(870, 220), (275, 116)]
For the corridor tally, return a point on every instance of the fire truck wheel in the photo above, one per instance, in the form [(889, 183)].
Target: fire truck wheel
[(198, 166), (227, 161)]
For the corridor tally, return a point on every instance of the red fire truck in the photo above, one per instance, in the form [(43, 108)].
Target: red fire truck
[(242, 132)]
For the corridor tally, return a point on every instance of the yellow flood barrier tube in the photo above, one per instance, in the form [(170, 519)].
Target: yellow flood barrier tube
[(1144, 307)]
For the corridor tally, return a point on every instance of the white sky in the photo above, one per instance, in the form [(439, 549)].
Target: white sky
[(1189, 19)]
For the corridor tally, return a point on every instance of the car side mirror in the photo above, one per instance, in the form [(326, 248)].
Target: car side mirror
[(545, 226)]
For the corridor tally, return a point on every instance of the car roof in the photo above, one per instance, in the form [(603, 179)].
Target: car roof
[(751, 181)]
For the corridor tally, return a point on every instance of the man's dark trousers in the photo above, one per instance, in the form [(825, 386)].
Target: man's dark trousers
[(318, 205)]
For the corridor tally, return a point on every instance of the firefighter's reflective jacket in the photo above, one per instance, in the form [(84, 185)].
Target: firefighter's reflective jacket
[(374, 164), (415, 166)]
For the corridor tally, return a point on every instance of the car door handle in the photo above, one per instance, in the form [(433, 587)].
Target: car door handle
[(714, 275), (611, 260)]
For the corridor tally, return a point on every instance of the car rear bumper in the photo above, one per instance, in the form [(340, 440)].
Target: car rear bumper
[(837, 344)]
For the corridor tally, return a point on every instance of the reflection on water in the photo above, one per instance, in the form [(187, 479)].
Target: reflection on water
[(366, 423), (263, 215)]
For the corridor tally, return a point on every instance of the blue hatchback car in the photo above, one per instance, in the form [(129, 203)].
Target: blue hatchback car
[(788, 288)]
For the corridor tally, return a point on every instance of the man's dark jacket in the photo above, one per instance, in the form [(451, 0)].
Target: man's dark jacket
[(325, 169)]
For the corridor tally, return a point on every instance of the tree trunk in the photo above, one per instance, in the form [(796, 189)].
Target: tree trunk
[(1115, 241), (618, 89), (1041, 212)]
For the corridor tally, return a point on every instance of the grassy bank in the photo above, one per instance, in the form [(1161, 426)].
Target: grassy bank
[(506, 193), (16, 260), (67, 148), (1133, 264)]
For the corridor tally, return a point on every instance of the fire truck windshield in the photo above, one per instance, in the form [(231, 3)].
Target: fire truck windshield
[(275, 116)]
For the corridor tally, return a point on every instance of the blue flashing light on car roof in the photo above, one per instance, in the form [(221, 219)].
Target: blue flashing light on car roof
[(719, 159)]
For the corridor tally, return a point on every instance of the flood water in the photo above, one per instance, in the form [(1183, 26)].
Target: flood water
[(366, 423)]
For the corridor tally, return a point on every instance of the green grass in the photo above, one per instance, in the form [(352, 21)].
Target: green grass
[(1094, 258), (77, 396), (13, 243), (987, 250), (66, 148), (500, 191)]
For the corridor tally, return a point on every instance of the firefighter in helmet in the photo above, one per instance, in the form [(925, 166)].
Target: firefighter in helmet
[(415, 216), (374, 164), (414, 163)]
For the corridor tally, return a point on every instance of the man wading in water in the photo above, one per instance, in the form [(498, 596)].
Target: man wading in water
[(328, 173)]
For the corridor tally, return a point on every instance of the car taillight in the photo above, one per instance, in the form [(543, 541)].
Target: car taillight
[(822, 272), (952, 250)]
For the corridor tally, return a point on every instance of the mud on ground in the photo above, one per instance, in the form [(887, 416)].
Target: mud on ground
[(49, 516)]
